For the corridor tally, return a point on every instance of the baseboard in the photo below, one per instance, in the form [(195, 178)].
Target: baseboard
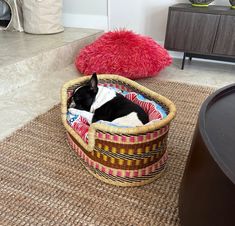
[(85, 21), (179, 55), (174, 54)]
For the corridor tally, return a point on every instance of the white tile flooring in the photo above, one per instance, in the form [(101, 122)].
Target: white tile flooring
[(22, 105), (18, 46), (23, 57), (32, 71), (205, 73)]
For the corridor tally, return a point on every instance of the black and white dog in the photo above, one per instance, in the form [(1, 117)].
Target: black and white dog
[(106, 104)]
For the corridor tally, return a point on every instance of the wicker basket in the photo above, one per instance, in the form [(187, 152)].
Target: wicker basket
[(122, 156)]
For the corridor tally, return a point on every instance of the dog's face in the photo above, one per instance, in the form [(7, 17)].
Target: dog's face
[(84, 96)]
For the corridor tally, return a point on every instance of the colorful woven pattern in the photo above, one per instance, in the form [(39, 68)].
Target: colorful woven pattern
[(122, 156)]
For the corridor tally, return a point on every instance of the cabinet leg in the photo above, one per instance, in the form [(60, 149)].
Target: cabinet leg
[(183, 61)]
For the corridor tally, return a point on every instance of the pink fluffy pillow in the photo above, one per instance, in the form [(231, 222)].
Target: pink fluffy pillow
[(124, 53)]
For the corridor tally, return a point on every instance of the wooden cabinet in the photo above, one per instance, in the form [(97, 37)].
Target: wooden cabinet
[(225, 40), (201, 32), (191, 32)]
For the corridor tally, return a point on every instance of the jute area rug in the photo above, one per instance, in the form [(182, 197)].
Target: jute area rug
[(42, 181)]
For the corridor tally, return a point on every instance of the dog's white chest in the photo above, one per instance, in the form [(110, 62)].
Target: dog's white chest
[(103, 96)]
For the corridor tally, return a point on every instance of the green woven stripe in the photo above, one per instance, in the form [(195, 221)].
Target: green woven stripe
[(199, 5)]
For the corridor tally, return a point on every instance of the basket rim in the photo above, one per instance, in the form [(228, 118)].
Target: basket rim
[(112, 129)]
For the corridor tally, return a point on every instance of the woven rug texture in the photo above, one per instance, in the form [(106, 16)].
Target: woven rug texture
[(42, 181)]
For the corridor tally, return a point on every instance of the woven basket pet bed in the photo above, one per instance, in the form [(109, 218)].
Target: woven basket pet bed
[(121, 156)]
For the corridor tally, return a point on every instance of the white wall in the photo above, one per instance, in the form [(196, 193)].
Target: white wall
[(90, 7), (148, 17), (222, 2), (85, 13)]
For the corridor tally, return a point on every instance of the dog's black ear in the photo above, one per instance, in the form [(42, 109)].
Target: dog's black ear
[(93, 83)]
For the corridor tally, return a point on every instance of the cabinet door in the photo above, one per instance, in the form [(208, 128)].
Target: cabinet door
[(225, 39), (191, 32)]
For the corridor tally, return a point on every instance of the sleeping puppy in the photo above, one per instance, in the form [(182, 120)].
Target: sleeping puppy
[(107, 105)]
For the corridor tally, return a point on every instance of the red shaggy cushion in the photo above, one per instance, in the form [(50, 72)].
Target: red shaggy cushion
[(124, 53)]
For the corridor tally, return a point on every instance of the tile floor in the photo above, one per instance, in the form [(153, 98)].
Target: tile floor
[(18, 46), (23, 57), (205, 73), (20, 106)]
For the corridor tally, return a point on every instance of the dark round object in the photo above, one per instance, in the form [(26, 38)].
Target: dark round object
[(5, 14), (207, 193)]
